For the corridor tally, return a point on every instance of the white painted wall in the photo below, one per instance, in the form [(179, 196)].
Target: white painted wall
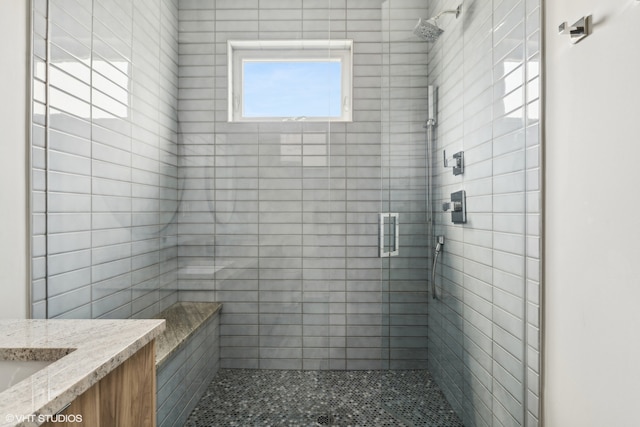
[(13, 151), (592, 313)]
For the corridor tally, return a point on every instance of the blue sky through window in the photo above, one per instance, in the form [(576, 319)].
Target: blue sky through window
[(292, 88)]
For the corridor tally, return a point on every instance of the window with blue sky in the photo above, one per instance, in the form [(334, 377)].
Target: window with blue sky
[(292, 89), (283, 80)]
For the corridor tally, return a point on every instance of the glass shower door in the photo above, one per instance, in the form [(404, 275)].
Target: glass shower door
[(404, 90)]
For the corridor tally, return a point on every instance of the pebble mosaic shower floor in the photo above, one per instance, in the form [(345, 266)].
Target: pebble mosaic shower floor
[(250, 397)]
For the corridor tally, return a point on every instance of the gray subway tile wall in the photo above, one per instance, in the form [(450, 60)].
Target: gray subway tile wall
[(105, 166), (484, 329), (283, 216)]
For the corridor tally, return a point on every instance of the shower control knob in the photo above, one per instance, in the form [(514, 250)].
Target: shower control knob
[(457, 207), (452, 206)]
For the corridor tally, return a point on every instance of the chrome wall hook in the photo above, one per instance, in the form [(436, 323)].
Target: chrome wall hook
[(578, 31)]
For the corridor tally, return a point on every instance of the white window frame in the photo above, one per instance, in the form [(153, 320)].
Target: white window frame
[(239, 51)]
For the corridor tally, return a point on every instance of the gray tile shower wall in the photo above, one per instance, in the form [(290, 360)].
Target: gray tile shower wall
[(484, 328), (279, 220), (105, 158)]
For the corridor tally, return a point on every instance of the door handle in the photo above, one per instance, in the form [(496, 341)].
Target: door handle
[(395, 249)]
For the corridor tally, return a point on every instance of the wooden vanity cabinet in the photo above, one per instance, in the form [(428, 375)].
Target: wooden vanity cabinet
[(126, 397)]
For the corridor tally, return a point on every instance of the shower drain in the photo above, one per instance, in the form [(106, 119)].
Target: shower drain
[(324, 420)]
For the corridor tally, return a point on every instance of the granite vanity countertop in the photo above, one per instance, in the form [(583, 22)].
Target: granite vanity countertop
[(86, 351)]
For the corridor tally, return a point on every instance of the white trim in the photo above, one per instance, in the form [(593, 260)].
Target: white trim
[(239, 51)]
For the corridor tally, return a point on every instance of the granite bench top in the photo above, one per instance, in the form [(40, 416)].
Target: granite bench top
[(182, 320), (85, 351)]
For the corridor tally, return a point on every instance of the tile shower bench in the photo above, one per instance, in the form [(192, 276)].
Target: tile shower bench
[(187, 358)]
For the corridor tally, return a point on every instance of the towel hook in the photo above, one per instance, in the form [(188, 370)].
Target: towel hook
[(578, 31)]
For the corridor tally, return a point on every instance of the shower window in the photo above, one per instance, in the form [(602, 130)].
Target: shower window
[(291, 80)]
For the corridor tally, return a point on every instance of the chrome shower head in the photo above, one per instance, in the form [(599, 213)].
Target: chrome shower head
[(428, 29)]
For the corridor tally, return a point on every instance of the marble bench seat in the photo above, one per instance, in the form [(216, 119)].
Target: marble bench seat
[(183, 319)]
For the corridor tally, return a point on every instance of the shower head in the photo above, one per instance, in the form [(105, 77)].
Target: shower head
[(428, 29)]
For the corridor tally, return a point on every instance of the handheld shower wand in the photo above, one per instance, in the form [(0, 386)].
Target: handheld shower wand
[(439, 245)]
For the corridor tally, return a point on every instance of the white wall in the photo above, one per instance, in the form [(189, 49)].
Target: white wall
[(592, 369), (13, 149)]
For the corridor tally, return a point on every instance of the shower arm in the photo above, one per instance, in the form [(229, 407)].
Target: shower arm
[(456, 11)]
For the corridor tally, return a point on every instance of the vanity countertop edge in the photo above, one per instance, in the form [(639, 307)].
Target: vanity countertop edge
[(96, 347)]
